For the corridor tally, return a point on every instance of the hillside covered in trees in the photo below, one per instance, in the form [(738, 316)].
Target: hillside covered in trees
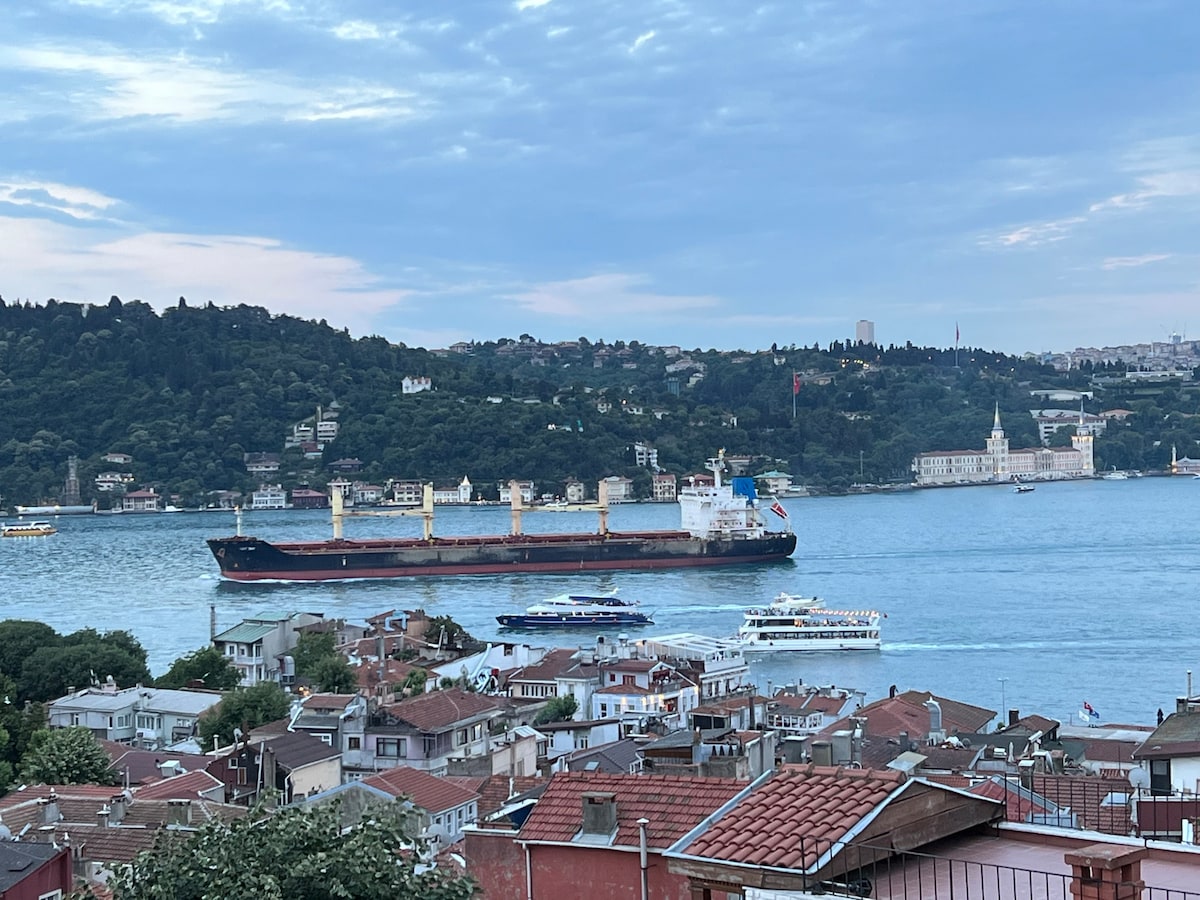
[(186, 393)]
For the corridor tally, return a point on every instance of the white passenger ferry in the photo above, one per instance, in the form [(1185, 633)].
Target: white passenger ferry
[(804, 623)]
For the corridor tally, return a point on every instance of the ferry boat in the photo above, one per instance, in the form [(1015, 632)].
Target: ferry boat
[(578, 610), (27, 529), (804, 623)]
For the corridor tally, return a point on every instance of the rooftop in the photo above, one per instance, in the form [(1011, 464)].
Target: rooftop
[(439, 710), (673, 804), (429, 792)]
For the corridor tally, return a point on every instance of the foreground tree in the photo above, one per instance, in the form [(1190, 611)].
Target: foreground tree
[(243, 709), (297, 854), (312, 647), (207, 666), (333, 675), (66, 756), (558, 709)]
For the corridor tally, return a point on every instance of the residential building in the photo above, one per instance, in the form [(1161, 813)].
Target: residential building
[(774, 483), (716, 666), (120, 459), (1170, 755), (1049, 421), (31, 871), (145, 717), (113, 481), (711, 753), (644, 692), (326, 431), (347, 465), (406, 492), (146, 500), (664, 487), (294, 764), (455, 494), (619, 488), (338, 721), (426, 731), (256, 647), (526, 489), (269, 496), (998, 463), (574, 491), (585, 830), (645, 456), (415, 384), (261, 463), (564, 738), (804, 711), (306, 498), (367, 494)]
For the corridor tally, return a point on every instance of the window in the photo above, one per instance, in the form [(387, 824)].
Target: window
[(125, 721), (233, 762), (52, 895), (460, 737), (229, 650), (604, 710), (628, 680), (74, 718), (354, 743), (326, 739), (391, 747)]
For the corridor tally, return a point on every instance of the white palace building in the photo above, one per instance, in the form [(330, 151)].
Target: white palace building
[(1000, 464)]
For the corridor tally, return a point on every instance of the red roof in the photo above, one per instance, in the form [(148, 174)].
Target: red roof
[(549, 667), (427, 791), (439, 710), (673, 804), (795, 816), (328, 701), (180, 787)]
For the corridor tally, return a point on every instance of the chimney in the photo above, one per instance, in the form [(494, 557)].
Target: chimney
[(117, 805), (1181, 706), (1025, 773), (822, 753), (49, 809), (936, 734), (905, 742), (599, 814), (266, 764), (179, 813), (103, 815), (1014, 716), (1106, 872)]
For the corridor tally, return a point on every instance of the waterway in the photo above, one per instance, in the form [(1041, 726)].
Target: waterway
[(1039, 601)]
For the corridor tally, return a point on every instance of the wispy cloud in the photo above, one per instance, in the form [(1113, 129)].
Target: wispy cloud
[(107, 84), (1130, 262), (1153, 187), (597, 298), (46, 196), (43, 259), (1035, 234), (530, 4), (641, 40), (187, 12)]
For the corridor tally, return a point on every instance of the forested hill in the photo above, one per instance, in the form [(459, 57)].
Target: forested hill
[(188, 392)]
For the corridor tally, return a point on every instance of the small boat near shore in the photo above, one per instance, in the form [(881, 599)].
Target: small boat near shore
[(805, 623), (27, 529), (578, 610)]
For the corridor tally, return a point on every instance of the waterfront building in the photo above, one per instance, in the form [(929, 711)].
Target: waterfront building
[(999, 463), (256, 647), (145, 717), (269, 496)]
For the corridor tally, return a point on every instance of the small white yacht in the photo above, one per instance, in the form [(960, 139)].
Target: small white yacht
[(804, 623)]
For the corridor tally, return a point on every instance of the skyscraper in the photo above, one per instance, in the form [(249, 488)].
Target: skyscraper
[(864, 332)]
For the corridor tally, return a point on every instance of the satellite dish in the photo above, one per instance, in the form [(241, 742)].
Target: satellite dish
[(1139, 778), (5, 833)]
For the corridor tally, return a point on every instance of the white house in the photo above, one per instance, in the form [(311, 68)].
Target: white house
[(149, 718), (415, 384)]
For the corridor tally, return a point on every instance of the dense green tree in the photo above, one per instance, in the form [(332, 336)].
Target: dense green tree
[(66, 756), (243, 709), (333, 675), (558, 709), (296, 854), (206, 666), (312, 647), (50, 672), (19, 639)]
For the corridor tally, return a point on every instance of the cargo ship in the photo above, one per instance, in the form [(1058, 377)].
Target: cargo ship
[(721, 524)]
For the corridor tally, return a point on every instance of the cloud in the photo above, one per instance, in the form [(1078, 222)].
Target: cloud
[(523, 5), (42, 259), (641, 39), (1129, 262), (106, 84), (358, 30), (75, 202), (1034, 235), (186, 12), (598, 298), (1152, 187)]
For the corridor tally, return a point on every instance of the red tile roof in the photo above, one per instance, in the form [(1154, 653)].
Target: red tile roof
[(439, 710), (673, 804), (429, 792), (790, 820), (180, 787), (906, 712), (328, 701), (1085, 796), (553, 664)]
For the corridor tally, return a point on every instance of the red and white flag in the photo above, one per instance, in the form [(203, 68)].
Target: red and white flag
[(778, 509)]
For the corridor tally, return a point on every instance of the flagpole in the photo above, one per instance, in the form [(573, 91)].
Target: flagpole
[(794, 393)]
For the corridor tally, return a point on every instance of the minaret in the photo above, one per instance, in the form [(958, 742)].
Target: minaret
[(1174, 461), (997, 448), (1084, 441)]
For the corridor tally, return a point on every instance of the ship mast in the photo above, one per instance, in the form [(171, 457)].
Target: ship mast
[(602, 504), (514, 494), (336, 511), (716, 465)]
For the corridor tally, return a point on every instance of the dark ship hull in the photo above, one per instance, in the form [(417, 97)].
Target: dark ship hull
[(253, 559)]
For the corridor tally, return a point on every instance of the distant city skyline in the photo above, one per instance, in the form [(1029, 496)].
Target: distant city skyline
[(668, 171)]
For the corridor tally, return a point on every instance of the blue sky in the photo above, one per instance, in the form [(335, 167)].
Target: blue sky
[(694, 172)]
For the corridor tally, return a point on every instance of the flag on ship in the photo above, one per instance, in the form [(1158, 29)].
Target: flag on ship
[(778, 509), (1091, 712)]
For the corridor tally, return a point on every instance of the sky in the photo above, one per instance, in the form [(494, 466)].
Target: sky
[(694, 172)]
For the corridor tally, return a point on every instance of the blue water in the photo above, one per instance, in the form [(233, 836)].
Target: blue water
[(1078, 591)]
